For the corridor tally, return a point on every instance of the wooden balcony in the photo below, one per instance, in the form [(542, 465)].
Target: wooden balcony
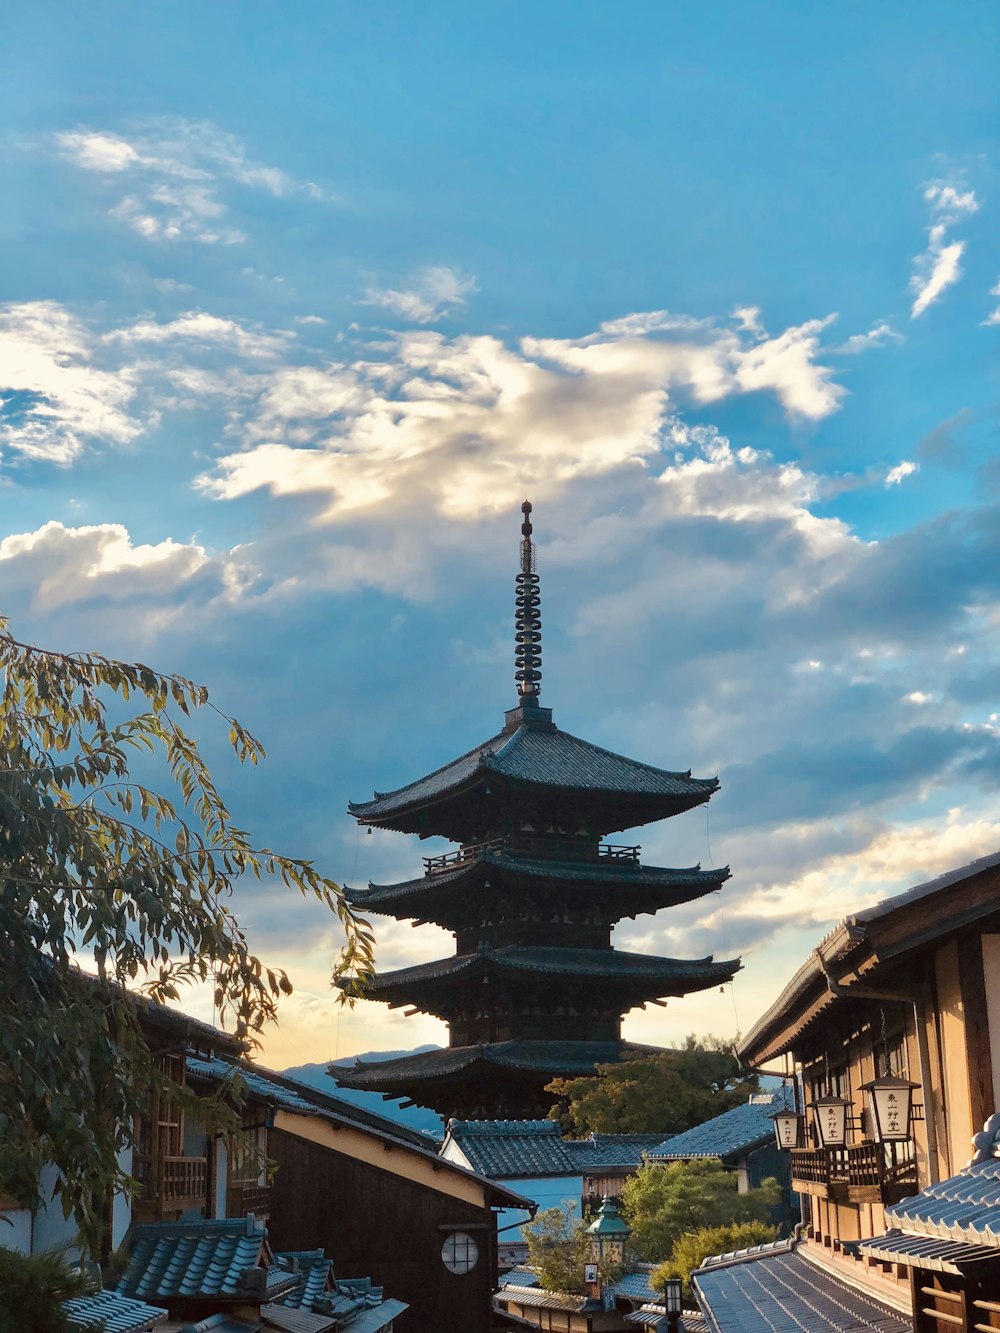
[(557, 849), (183, 1182), (248, 1197), (860, 1173)]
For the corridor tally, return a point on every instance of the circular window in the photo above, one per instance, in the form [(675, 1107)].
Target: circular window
[(459, 1253)]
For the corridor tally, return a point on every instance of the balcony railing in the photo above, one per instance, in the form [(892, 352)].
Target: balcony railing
[(522, 845), (248, 1198), (183, 1181), (860, 1173)]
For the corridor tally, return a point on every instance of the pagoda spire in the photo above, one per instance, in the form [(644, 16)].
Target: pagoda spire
[(527, 620)]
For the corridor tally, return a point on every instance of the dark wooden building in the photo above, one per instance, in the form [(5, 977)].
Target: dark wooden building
[(535, 989)]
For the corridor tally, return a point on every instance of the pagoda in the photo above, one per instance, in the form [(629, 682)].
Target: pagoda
[(535, 989)]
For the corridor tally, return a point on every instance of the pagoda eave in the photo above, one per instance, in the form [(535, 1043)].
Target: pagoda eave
[(448, 900), (511, 1073), (619, 980)]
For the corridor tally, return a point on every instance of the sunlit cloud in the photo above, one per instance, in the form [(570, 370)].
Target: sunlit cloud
[(939, 267)]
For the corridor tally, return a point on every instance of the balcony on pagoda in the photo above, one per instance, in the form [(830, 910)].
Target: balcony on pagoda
[(540, 847), (866, 1172)]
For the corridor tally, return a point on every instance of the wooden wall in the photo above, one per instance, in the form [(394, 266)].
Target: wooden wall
[(380, 1225)]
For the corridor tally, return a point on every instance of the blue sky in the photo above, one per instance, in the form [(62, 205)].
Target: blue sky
[(300, 301)]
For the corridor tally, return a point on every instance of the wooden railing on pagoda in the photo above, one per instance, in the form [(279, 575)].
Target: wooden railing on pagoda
[(566, 849), (860, 1173)]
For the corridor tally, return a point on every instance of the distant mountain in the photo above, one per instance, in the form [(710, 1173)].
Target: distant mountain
[(414, 1117)]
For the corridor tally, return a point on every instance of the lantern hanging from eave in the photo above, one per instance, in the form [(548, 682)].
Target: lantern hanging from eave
[(890, 1101), (788, 1129), (830, 1119)]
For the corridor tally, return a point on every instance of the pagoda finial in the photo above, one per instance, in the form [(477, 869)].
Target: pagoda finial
[(527, 619)]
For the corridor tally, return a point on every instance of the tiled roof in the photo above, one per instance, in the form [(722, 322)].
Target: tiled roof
[(551, 758), (619, 876), (290, 1319), (732, 1132), (522, 1276), (314, 1271), (561, 1058), (635, 1286), (965, 1207), (512, 1148), (548, 1300), (778, 1288), (111, 1312), (195, 1260), (300, 1099), (294, 1096), (677, 976), (601, 1151), (922, 1251), (374, 1319)]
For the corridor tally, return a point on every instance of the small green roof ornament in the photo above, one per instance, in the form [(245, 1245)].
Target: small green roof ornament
[(609, 1223)]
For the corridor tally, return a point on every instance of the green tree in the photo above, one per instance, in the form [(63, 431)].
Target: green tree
[(557, 1248), (96, 864), (665, 1093), (662, 1202), (694, 1246)]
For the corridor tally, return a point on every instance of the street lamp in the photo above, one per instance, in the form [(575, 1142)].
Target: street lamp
[(890, 1100), (830, 1119), (673, 1303)]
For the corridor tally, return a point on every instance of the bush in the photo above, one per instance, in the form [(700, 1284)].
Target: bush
[(33, 1288), (694, 1246), (557, 1249)]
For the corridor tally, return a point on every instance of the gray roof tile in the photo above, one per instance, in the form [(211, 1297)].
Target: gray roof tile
[(600, 965), (965, 1207), (112, 1312), (732, 1132), (780, 1289), (563, 1057), (552, 758)]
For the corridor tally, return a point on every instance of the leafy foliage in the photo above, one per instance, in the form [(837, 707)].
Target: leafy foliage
[(665, 1093), (558, 1248), (32, 1289), (694, 1246), (95, 862), (662, 1202)]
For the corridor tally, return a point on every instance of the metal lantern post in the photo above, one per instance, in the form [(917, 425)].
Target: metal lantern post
[(830, 1119), (673, 1303), (890, 1101)]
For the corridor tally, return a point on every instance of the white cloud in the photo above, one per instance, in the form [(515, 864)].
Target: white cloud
[(59, 566), (994, 316), (197, 326), (435, 291), (902, 470), (53, 397), (173, 172), (877, 336), (939, 267)]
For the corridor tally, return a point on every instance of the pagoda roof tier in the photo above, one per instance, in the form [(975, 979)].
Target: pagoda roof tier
[(626, 888), (557, 1059), (617, 979), (532, 772)]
